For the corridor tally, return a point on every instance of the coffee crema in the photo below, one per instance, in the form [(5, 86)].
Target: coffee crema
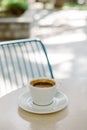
[(43, 83)]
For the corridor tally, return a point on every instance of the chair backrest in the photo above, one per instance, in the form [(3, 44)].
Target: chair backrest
[(21, 60)]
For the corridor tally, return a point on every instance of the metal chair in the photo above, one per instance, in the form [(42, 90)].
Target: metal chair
[(20, 61)]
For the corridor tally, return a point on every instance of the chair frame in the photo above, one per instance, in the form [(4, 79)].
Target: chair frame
[(20, 41)]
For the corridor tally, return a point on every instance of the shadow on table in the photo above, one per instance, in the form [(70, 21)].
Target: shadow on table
[(45, 121)]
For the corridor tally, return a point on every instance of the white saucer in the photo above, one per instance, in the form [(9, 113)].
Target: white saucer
[(60, 101)]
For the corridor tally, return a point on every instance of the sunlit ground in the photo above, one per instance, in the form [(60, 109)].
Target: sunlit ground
[(65, 35)]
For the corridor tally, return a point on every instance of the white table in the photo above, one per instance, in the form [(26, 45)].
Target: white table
[(74, 117)]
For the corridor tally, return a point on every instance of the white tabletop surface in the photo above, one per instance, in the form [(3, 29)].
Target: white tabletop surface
[(73, 117)]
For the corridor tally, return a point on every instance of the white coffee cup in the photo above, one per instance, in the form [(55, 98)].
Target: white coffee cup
[(42, 90)]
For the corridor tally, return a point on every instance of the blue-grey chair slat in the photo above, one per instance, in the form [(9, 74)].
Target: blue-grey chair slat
[(13, 65), (32, 73), (22, 60), (41, 59), (6, 62), (2, 70), (19, 64), (49, 65), (35, 58)]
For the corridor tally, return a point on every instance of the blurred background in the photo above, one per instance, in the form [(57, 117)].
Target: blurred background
[(60, 24)]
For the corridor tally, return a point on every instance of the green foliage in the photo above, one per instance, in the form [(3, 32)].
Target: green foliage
[(15, 7), (75, 6)]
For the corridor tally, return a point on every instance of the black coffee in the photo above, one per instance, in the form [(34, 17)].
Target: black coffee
[(43, 83)]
